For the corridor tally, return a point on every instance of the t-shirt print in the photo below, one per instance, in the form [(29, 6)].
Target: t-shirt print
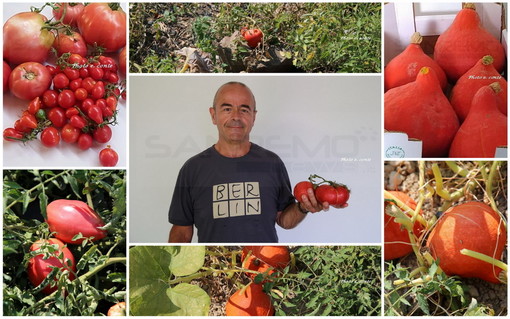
[(236, 199)]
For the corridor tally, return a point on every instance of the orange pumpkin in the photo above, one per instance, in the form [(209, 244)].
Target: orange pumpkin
[(265, 258), (253, 301), (474, 226), (396, 238)]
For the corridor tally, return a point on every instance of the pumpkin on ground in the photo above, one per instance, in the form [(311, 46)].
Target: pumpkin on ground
[(252, 301), (396, 237), (474, 226)]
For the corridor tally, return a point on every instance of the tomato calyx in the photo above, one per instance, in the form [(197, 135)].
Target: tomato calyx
[(316, 184)]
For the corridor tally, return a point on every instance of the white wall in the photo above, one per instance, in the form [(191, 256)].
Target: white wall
[(328, 125)]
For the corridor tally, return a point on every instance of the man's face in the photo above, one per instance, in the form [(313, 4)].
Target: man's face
[(234, 113)]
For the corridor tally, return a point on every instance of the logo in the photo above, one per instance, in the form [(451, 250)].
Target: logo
[(236, 199), (395, 152)]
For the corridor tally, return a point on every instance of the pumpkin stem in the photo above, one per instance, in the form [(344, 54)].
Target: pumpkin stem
[(486, 258), (487, 60), (416, 38), (469, 5)]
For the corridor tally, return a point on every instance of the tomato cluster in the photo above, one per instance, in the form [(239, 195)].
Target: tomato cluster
[(75, 99), (333, 193)]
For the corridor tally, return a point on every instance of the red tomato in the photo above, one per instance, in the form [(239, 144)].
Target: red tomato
[(11, 134), (50, 137), (102, 134), (119, 309), (34, 106), (29, 80), (104, 24), (84, 141), (25, 39), (81, 94), (334, 195), (18, 126), (28, 120), (68, 218), (108, 157), (66, 99), (39, 268), (72, 74), (301, 189), (96, 72), (50, 98), (98, 90), (75, 84), (7, 72), (88, 83), (70, 43), (252, 36), (70, 133), (122, 61), (95, 114), (77, 60), (70, 11), (78, 121), (60, 81), (70, 112)]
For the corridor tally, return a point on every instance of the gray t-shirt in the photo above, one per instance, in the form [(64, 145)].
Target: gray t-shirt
[(231, 199)]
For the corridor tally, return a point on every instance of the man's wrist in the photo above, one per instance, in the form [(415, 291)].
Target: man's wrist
[(303, 211)]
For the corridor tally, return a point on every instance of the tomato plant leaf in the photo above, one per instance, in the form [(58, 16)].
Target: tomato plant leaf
[(26, 201), (43, 202)]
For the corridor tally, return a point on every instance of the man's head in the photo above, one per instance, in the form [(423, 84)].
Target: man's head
[(233, 112)]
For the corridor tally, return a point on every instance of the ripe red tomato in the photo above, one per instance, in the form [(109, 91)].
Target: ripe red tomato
[(84, 141), (11, 134), (50, 137), (25, 39), (72, 12), (57, 116), (102, 134), (123, 61), (70, 133), (108, 157), (34, 106), (39, 268), (103, 24), (29, 80), (119, 309), (252, 36), (7, 72), (28, 120), (50, 98), (60, 81), (66, 99), (68, 218), (301, 189), (95, 114), (70, 43), (77, 121), (333, 195)]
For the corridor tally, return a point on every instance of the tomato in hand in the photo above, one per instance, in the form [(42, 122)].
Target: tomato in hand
[(68, 218), (301, 189), (29, 80), (70, 11), (26, 39), (333, 195), (108, 157), (103, 24), (40, 267), (50, 137)]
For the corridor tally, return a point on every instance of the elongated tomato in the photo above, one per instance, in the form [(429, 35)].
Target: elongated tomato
[(68, 218)]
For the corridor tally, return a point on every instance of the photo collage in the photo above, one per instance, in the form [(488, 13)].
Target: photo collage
[(255, 159)]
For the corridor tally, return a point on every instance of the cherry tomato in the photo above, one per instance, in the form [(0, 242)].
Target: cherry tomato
[(111, 102), (60, 81), (76, 84), (28, 120), (57, 116), (108, 157), (102, 134), (70, 43), (88, 84), (77, 60), (86, 104), (28, 80), (96, 72), (50, 98), (95, 114), (112, 77), (34, 105), (72, 12), (78, 121), (25, 39), (70, 112), (50, 137), (18, 126), (53, 70), (70, 133), (98, 90), (72, 74), (84, 141), (11, 134), (104, 24), (66, 99), (7, 72), (81, 94)]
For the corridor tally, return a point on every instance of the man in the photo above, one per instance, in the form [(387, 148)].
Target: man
[(235, 191)]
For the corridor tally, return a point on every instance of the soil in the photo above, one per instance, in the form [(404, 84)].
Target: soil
[(404, 176)]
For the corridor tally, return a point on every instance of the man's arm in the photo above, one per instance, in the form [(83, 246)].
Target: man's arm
[(180, 234)]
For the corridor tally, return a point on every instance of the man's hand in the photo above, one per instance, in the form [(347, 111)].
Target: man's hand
[(311, 204)]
